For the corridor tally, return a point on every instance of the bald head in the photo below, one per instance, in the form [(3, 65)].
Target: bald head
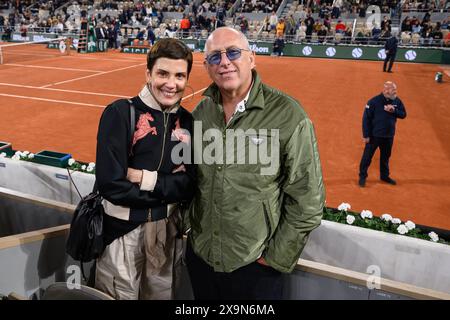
[(218, 35), (390, 84), (390, 90)]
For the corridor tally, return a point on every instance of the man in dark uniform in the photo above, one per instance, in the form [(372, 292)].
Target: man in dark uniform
[(390, 47), (378, 125)]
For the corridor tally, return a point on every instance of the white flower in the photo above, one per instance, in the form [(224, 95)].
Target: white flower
[(25, 153), (434, 237), (18, 154), (396, 221), (350, 219), (71, 161), (89, 169), (386, 217), (3, 155), (92, 164), (402, 229), (15, 157), (31, 156), (410, 225), (83, 167), (344, 206), (366, 214)]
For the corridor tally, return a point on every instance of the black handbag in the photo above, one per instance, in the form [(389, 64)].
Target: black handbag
[(85, 241)]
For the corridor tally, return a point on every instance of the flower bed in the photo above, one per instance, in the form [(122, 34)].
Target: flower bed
[(385, 223)]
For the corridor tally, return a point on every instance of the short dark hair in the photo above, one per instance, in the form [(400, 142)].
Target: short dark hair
[(169, 48)]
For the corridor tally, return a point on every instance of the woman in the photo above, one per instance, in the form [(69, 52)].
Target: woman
[(141, 182)]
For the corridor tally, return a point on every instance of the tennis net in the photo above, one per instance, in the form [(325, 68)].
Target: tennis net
[(37, 50)]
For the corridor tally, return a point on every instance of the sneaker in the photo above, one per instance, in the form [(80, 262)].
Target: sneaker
[(389, 180), (390, 71), (362, 182)]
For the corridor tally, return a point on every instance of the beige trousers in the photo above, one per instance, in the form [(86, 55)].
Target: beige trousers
[(143, 264)]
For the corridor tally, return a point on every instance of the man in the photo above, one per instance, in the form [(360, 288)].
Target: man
[(379, 119), (278, 46), (390, 47), (141, 183), (249, 222)]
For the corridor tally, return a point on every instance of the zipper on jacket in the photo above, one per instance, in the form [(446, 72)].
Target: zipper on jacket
[(166, 121), (269, 226)]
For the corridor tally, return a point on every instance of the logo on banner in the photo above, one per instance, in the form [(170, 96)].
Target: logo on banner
[(307, 51), (357, 53), (382, 54), (410, 55), (330, 52)]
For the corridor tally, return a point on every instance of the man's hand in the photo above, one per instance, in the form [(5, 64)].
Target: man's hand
[(134, 175), (389, 108), (366, 140)]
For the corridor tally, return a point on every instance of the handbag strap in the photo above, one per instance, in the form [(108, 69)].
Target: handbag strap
[(130, 148)]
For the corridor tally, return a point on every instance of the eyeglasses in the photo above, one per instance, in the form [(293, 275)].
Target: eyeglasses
[(232, 54)]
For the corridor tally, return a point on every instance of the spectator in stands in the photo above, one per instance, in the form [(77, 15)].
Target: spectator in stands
[(336, 11), (379, 119), (322, 34), (241, 242), (390, 49), (142, 185), (273, 21), (386, 23), (426, 35), (150, 35), (340, 27), (447, 40), (376, 33), (23, 30), (185, 26), (437, 35), (278, 46), (416, 27), (290, 25), (309, 22), (446, 24), (301, 33), (362, 9), (280, 28)]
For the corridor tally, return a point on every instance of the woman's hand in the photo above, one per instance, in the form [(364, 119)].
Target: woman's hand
[(134, 175)]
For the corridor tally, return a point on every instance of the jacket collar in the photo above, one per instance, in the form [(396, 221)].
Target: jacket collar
[(255, 98), (149, 100)]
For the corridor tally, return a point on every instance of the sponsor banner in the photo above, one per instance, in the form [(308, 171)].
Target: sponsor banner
[(135, 50), (58, 45), (352, 52), (263, 48), (420, 55)]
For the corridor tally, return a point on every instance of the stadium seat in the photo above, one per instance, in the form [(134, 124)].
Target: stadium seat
[(415, 39), (405, 37)]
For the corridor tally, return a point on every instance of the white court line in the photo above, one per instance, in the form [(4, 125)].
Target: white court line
[(192, 94), (52, 100), (77, 103), (63, 90), (93, 75), (105, 59), (46, 67)]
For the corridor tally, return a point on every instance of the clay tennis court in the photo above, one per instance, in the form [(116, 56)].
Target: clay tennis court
[(55, 104)]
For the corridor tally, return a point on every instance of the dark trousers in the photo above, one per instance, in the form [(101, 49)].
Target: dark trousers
[(389, 58), (385, 145), (251, 282)]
